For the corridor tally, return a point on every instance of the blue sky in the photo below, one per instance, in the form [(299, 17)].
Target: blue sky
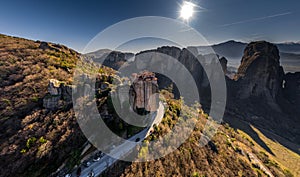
[(76, 23)]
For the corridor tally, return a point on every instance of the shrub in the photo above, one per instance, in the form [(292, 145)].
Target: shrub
[(195, 174), (287, 173), (74, 159), (143, 151), (30, 142), (7, 101), (42, 140), (35, 99)]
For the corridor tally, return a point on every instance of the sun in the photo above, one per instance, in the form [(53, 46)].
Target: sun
[(187, 10)]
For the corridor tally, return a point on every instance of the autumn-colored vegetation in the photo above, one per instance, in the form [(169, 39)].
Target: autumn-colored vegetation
[(227, 154), (34, 141)]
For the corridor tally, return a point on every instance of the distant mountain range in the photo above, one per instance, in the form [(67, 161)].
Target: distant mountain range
[(234, 50), (230, 49)]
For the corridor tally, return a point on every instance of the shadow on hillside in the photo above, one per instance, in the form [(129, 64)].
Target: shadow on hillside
[(11, 124), (281, 140), (238, 124)]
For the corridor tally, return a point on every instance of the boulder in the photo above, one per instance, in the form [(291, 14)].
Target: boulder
[(59, 94), (54, 87), (49, 46), (44, 45)]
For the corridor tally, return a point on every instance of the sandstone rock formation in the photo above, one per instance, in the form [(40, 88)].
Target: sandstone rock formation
[(260, 73), (58, 95), (144, 92), (259, 90), (262, 94), (188, 60)]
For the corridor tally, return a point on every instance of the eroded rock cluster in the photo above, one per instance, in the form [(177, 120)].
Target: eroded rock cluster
[(59, 94)]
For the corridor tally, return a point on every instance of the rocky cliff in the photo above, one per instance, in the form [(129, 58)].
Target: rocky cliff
[(190, 63), (143, 92), (292, 88), (260, 73), (259, 92), (262, 94), (112, 59)]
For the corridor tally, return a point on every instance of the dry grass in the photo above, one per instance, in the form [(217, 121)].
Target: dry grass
[(231, 158), (285, 157), (25, 70)]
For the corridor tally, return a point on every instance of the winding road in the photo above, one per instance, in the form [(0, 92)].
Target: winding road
[(123, 149)]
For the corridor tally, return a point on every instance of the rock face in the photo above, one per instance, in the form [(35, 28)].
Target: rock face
[(143, 93), (58, 95), (223, 62), (262, 94), (260, 74), (190, 63), (291, 88), (48, 46), (53, 87), (112, 59)]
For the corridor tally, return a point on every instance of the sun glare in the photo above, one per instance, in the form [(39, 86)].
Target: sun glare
[(187, 10)]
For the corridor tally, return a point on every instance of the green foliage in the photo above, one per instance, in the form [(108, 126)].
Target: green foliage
[(42, 140), (131, 130), (110, 104), (170, 88), (101, 71), (272, 163), (66, 65), (120, 126), (228, 142), (143, 151), (156, 128), (246, 138), (7, 101), (197, 174), (35, 99), (287, 173), (23, 151), (30, 142), (74, 159)]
